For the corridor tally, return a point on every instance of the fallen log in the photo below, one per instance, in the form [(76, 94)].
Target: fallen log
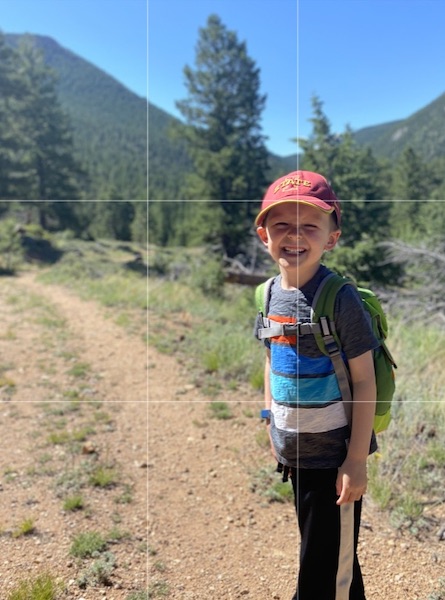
[(252, 279)]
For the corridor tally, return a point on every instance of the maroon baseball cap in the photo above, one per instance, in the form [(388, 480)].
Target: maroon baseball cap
[(304, 187)]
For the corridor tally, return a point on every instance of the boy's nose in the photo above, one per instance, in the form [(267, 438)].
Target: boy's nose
[(294, 231)]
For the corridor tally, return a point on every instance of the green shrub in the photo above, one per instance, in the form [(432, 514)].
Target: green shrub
[(220, 410), (103, 477), (267, 483), (99, 573), (73, 503), (280, 492), (42, 587), (11, 251), (209, 278), (87, 543), (25, 528)]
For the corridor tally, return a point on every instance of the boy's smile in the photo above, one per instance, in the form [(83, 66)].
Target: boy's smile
[(296, 236)]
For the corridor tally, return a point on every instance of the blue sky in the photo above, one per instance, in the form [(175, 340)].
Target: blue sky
[(369, 61), (112, 34)]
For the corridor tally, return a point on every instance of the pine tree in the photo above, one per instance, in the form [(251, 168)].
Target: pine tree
[(408, 224), (112, 220), (223, 133), (355, 174), (359, 182), (139, 225), (14, 168), (50, 149)]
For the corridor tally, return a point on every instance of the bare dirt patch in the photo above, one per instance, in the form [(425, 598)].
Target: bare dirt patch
[(73, 407)]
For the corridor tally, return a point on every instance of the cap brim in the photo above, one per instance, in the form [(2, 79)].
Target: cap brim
[(320, 204)]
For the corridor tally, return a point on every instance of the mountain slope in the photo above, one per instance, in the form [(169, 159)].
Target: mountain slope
[(109, 121), (424, 132)]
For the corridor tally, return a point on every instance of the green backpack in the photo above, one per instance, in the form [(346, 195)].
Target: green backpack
[(322, 326)]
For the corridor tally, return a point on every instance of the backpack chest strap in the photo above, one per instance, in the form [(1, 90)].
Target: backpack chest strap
[(272, 328)]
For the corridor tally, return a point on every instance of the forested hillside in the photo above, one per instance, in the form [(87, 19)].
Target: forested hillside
[(108, 122), (109, 129), (423, 132), (166, 150)]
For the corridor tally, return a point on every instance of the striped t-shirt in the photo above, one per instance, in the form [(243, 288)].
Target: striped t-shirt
[(308, 422)]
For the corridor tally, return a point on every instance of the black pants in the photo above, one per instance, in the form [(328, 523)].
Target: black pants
[(329, 568)]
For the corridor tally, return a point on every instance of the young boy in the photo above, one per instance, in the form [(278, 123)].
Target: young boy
[(309, 432)]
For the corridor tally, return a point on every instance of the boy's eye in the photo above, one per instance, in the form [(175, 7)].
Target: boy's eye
[(281, 225)]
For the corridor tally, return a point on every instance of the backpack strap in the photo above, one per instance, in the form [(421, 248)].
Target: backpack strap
[(262, 299), (322, 312), (323, 305), (262, 296)]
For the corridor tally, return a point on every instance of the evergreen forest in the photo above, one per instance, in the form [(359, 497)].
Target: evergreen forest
[(73, 145)]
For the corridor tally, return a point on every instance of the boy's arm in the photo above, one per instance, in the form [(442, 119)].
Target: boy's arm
[(352, 477), (268, 395)]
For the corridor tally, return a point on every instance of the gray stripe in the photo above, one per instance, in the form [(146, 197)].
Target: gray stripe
[(346, 552)]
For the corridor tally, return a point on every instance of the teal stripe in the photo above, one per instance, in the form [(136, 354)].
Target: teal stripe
[(313, 391)]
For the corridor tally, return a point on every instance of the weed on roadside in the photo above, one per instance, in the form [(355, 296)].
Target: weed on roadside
[(70, 482), (139, 596), (158, 589), (26, 527), (117, 535), (79, 370), (86, 544), (262, 438), (42, 587), (220, 410), (379, 488), (59, 438), (102, 417), (127, 495), (7, 385), (73, 503), (103, 477), (99, 573), (439, 594), (268, 484), (72, 405)]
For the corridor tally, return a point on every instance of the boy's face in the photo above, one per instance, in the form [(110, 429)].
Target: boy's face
[(296, 236)]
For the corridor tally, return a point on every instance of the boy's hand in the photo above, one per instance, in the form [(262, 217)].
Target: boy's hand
[(351, 481), (272, 450)]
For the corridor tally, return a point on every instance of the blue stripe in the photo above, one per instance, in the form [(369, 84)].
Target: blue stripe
[(312, 391)]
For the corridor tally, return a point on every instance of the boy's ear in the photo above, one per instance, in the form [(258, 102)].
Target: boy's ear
[(262, 234), (333, 239)]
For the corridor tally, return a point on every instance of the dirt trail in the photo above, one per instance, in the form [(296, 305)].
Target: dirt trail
[(212, 537), (45, 332)]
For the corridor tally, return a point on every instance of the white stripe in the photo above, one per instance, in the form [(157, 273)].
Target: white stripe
[(309, 420), (346, 553)]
